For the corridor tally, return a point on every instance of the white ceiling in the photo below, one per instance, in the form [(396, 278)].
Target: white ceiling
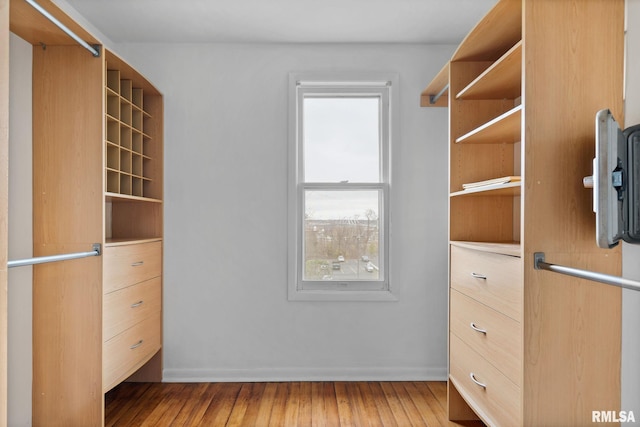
[(286, 21)]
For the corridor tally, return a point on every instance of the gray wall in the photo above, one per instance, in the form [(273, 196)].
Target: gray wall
[(226, 311), (20, 234), (631, 253)]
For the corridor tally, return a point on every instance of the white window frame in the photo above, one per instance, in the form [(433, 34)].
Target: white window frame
[(384, 86)]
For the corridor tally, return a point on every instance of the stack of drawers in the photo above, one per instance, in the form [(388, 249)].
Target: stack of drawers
[(132, 304), (485, 333)]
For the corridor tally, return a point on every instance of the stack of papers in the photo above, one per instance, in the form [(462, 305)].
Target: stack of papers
[(495, 181)]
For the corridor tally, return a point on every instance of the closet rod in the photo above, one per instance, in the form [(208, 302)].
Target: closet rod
[(434, 98), (95, 49), (96, 251), (540, 264)]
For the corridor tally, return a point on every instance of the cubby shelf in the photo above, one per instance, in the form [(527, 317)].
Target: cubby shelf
[(131, 163)]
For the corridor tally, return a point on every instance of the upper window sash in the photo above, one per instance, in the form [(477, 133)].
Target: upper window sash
[(379, 90)]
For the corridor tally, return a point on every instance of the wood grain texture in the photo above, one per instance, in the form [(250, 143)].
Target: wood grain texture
[(330, 404), (33, 27), (68, 216), (572, 327)]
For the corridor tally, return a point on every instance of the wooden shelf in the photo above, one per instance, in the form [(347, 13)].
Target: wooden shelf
[(437, 85), (498, 31), (117, 197), (502, 80), (503, 248), (131, 241), (505, 128), (508, 189)]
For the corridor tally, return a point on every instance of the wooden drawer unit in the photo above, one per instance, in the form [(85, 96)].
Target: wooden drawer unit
[(496, 337), (126, 352), (497, 400), (126, 265), (128, 306), (492, 279)]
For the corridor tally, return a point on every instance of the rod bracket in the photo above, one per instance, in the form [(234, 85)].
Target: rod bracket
[(98, 50), (538, 257), (97, 247)]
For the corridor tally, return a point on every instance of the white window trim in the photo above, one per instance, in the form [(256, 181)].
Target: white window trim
[(358, 84)]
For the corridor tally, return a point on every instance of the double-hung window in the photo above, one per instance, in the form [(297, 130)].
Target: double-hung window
[(340, 136)]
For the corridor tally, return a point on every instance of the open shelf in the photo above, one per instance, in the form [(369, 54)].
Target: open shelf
[(131, 241), (119, 197), (505, 128), (502, 80)]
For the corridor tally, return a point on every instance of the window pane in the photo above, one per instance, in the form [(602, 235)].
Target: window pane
[(341, 139), (341, 235)]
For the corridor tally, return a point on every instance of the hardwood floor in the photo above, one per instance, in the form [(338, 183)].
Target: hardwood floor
[(279, 404)]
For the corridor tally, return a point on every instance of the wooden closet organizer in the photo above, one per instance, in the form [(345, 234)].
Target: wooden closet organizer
[(98, 178), (527, 347)]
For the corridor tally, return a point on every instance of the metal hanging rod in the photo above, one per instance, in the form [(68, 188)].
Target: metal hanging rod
[(94, 49), (540, 264), (434, 98), (96, 251)]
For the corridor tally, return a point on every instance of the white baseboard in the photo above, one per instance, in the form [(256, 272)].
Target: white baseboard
[(304, 374)]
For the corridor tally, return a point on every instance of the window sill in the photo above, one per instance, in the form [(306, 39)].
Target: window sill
[(330, 295)]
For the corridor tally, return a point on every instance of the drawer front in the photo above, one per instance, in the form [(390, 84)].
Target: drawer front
[(492, 279), (129, 264), (496, 337), (125, 307), (498, 403), (126, 352)]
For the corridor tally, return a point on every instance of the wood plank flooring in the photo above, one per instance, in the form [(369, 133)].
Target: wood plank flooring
[(331, 404)]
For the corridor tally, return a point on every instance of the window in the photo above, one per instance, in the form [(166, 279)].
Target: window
[(340, 135)]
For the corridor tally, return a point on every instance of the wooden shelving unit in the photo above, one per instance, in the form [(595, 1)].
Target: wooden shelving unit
[(522, 103), (98, 178)]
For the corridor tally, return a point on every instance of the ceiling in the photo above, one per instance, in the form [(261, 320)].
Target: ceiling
[(283, 21)]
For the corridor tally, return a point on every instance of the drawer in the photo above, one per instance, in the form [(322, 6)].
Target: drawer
[(129, 264), (129, 350), (492, 279), (125, 307), (501, 341), (498, 403)]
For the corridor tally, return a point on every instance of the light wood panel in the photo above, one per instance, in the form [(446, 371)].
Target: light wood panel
[(129, 264), (570, 74), (4, 201), (501, 288), (67, 217), (499, 402), (126, 307), (501, 341), (33, 27), (496, 33), (128, 351)]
